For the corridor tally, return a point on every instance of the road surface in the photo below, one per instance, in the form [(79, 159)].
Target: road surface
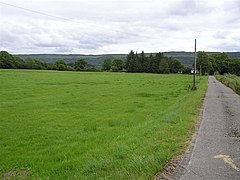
[(216, 151)]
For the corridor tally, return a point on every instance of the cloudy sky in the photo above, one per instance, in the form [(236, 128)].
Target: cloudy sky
[(118, 26)]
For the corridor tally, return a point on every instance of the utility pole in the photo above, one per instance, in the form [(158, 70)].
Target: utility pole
[(194, 71), (200, 70)]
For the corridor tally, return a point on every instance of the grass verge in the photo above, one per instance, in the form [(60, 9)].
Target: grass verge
[(231, 81)]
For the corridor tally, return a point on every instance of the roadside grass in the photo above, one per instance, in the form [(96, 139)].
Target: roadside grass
[(62, 125), (231, 81)]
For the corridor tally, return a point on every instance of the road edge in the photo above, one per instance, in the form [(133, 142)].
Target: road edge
[(176, 167)]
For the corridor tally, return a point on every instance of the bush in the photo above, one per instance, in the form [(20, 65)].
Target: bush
[(114, 68), (231, 81)]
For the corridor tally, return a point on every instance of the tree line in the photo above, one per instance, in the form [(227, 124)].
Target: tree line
[(134, 62), (157, 63), (142, 63), (217, 62), (8, 61)]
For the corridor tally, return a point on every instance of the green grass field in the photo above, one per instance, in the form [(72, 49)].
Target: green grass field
[(75, 125)]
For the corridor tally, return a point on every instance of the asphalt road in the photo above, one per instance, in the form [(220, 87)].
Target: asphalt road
[(215, 153)]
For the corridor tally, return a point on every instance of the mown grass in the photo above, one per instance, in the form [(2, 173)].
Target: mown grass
[(61, 125), (231, 81)]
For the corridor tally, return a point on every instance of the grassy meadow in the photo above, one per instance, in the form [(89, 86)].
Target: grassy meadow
[(81, 125)]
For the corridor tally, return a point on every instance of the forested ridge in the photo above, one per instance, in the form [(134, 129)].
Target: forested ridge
[(186, 58)]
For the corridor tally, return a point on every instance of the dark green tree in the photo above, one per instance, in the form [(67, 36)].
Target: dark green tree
[(137, 65), (60, 65), (6, 60), (142, 62), (19, 63), (212, 60), (203, 63), (80, 65), (107, 63), (174, 65), (156, 61), (131, 62), (32, 63), (150, 64), (186, 70), (234, 66), (159, 56), (163, 66), (220, 62), (118, 63)]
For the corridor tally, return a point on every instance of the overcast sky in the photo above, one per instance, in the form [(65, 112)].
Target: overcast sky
[(118, 26)]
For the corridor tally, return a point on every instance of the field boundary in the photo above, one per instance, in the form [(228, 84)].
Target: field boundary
[(173, 169)]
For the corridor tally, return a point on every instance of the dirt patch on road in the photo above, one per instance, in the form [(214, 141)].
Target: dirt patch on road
[(235, 134)]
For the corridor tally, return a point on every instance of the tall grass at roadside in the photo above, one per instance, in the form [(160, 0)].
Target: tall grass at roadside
[(231, 81)]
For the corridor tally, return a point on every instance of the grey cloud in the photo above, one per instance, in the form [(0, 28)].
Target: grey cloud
[(63, 49), (7, 37), (227, 47), (96, 26), (97, 40), (183, 8), (50, 44), (221, 34)]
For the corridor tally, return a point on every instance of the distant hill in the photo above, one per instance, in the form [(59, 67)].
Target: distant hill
[(95, 60), (185, 58)]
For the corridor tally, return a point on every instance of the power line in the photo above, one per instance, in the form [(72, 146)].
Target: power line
[(67, 19), (53, 16), (38, 12)]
